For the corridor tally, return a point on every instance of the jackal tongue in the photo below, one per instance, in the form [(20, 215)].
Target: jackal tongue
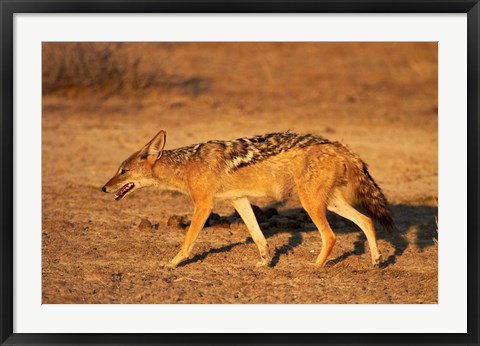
[(124, 189)]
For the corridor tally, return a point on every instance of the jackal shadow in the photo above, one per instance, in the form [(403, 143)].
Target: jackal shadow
[(422, 220)]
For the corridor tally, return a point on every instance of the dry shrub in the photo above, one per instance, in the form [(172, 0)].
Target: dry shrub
[(106, 68)]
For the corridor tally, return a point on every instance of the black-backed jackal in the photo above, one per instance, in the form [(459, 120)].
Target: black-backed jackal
[(325, 174)]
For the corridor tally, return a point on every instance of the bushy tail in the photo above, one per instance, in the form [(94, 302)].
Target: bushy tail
[(372, 199)]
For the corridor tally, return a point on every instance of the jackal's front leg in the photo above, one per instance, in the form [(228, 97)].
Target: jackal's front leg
[(200, 216), (243, 207)]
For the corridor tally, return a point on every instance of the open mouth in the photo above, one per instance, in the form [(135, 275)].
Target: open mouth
[(123, 191)]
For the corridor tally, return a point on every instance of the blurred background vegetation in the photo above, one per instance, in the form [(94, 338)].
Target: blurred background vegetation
[(109, 68)]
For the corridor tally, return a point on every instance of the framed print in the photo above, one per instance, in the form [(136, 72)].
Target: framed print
[(239, 173)]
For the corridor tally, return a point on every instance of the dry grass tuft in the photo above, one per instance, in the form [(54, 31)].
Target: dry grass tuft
[(106, 68)]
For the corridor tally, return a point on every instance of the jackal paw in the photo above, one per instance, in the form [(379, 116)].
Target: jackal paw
[(376, 261), (170, 265), (264, 262)]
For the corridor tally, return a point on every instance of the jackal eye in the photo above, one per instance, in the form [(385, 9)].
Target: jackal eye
[(122, 171)]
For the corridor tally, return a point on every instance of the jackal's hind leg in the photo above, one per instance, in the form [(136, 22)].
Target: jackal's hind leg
[(200, 216), (328, 237), (315, 207), (244, 209), (340, 206)]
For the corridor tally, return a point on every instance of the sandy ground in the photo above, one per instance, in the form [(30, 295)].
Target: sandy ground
[(380, 99)]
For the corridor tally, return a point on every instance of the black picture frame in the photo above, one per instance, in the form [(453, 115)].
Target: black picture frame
[(9, 7)]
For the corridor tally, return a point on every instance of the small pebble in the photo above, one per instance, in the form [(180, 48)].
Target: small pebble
[(177, 221), (145, 225)]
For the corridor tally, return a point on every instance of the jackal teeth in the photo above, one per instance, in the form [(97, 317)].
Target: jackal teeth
[(123, 190)]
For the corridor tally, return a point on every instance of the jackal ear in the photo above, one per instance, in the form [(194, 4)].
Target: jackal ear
[(153, 149)]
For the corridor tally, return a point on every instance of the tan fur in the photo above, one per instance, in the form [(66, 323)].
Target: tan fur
[(326, 175)]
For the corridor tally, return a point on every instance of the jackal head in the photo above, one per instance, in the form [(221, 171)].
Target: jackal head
[(136, 171)]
